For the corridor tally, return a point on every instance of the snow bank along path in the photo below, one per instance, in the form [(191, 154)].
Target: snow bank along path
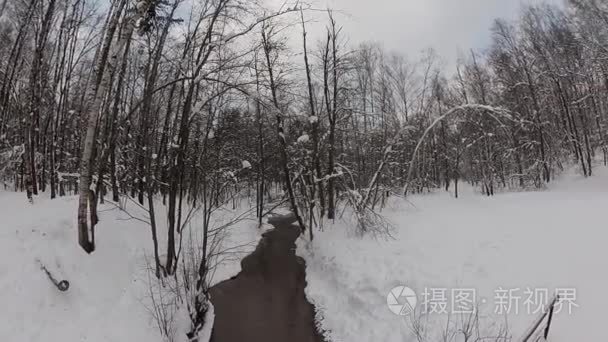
[(107, 288), (541, 240), (109, 294)]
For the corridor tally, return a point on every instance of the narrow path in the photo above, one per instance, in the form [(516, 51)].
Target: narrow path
[(265, 302)]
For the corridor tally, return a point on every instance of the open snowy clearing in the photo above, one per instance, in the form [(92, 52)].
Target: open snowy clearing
[(540, 241), (108, 298)]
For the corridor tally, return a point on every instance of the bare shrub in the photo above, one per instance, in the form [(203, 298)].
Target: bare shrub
[(367, 219), (465, 327), (163, 304), (178, 302)]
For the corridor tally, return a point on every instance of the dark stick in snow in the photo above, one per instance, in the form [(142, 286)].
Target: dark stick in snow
[(62, 285)]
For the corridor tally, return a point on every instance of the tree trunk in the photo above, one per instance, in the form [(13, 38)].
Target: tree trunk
[(281, 133), (97, 93)]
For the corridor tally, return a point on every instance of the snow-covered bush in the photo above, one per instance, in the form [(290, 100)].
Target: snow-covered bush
[(367, 219)]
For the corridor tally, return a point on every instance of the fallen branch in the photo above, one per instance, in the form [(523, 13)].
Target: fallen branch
[(62, 285)]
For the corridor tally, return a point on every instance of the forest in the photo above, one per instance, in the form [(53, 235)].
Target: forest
[(179, 105)]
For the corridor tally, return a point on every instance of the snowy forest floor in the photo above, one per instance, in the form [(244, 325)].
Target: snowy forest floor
[(109, 295), (541, 240), (538, 240)]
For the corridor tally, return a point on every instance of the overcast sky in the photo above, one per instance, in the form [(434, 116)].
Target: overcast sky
[(409, 26)]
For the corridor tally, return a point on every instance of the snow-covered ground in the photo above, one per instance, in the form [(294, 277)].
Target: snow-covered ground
[(540, 241), (108, 299)]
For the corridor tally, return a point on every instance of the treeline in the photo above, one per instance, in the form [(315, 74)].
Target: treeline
[(154, 99)]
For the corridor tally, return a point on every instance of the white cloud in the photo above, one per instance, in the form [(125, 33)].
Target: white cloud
[(409, 26)]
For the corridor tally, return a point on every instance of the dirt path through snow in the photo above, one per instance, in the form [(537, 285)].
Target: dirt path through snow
[(266, 302)]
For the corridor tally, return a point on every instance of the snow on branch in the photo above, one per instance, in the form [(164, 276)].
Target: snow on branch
[(494, 112)]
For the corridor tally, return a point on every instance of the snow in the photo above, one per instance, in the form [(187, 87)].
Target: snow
[(109, 294), (205, 334), (104, 299), (303, 139), (538, 240)]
